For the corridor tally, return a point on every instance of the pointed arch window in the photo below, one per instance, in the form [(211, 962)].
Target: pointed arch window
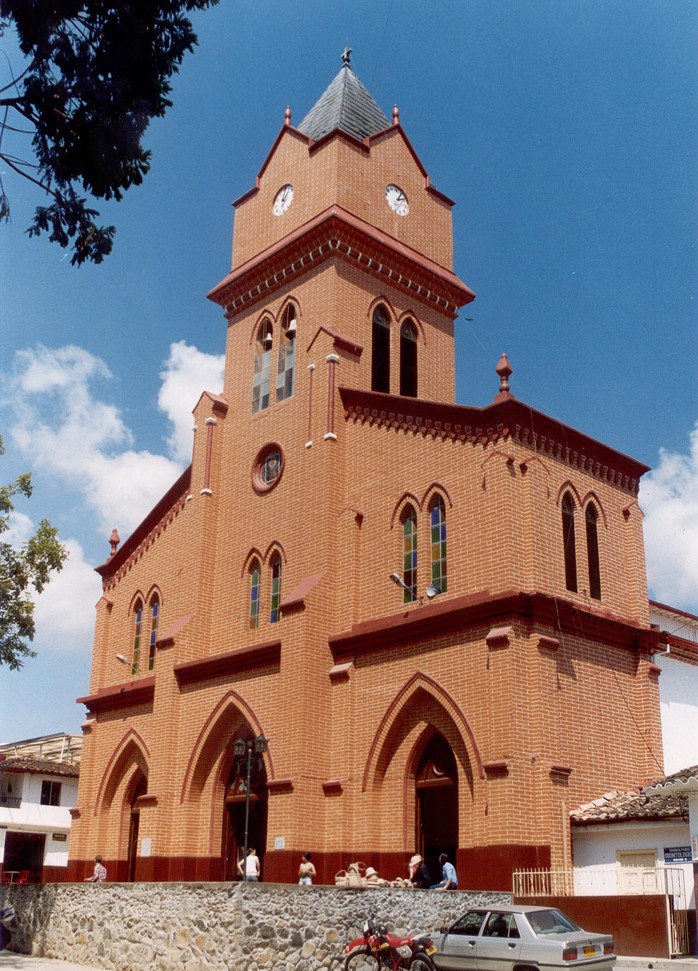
[(380, 351), (275, 613), (408, 360), (568, 541), (154, 612), (409, 554), (262, 366), (592, 523), (254, 594), (437, 518), (287, 355), (137, 634)]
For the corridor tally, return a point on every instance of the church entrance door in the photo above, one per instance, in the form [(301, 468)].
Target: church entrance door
[(436, 793), (234, 824), (135, 815)]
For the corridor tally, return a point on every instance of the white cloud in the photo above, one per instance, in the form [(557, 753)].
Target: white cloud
[(669, 499), (186, 373), (64, 611), (63, 426)]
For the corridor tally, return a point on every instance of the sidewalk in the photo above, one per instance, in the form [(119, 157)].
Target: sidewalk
[(26, 962), (657, 964)]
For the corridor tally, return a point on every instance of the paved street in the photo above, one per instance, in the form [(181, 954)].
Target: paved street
[(25, 962)]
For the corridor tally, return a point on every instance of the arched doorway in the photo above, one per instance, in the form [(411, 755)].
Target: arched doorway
[(436, 803), (137, 788), (234, 818)]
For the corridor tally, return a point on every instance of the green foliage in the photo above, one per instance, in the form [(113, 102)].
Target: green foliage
[(97, 72), (23, 572)]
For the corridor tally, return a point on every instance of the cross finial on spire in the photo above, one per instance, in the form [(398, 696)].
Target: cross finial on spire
[(346, 56)]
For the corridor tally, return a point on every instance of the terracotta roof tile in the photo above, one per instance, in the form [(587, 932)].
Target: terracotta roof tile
[(634, 804), (40, 766)]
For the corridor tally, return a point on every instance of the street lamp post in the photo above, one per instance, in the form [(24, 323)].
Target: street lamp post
[(244, 749)]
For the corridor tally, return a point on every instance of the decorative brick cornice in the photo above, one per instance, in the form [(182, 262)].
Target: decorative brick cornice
[(337, 233), (508, 420), (130, 694), (333, 787), (147, 532), (232, 662), (276, 787)]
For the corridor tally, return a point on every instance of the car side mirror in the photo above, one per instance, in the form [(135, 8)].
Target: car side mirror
[(443, 930)]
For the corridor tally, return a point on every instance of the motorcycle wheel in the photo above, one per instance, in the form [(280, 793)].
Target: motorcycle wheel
[(362, 961), (421, 962)]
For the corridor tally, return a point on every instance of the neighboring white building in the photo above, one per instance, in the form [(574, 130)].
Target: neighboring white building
[(678, 685), (632, 842), (38, 788)]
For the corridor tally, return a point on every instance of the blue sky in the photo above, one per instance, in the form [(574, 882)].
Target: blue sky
[(566, 133)]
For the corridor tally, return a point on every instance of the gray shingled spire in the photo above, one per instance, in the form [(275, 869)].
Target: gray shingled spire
[(345, 105)]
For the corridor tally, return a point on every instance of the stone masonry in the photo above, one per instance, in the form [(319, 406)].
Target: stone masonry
[(154, 927)]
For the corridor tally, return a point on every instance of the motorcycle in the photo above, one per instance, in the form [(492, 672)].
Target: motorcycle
[(377, 949)]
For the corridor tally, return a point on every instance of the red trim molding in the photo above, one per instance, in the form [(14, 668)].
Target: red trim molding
[(259, 655), (333, 787), (499, 637), (496, 770), (126, 695), (277, 787), (474, 610), (561, 770)]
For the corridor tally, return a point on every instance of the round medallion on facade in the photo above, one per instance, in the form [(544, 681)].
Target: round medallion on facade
[(396, 199), (267, 467), (283, 200)]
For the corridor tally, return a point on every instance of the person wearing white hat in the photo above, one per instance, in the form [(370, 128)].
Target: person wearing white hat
[(419, 875)]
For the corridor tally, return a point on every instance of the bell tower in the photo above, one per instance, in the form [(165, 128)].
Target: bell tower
[(342, 220)]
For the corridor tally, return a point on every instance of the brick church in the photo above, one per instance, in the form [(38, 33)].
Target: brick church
[(435, 614)]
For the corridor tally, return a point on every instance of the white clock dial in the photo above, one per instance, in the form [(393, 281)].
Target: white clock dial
[(397, 200), (283, 199)]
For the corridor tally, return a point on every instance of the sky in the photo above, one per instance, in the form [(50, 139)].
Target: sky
[(567, 134)]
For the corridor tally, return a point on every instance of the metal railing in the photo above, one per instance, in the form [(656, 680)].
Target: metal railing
[(12, 802), (615, 880)]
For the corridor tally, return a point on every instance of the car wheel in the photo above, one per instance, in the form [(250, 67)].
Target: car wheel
[(362, 960)]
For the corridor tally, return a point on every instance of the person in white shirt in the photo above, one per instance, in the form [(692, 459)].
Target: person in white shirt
[(250, 874)]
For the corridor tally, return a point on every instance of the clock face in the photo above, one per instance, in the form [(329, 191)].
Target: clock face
[(283, 199), (397, 200)]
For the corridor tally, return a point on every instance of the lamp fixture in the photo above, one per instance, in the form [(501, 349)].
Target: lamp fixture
[(433, 590), (399, 582), (122, 659)]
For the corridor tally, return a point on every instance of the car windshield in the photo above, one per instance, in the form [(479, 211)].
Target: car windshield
[(551, 922), (469, 923)]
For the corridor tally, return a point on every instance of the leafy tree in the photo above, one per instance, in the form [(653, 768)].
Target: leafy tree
[(22, 573), (97, 72)]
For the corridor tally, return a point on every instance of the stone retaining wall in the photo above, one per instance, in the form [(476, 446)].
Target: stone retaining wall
[(205, 926)]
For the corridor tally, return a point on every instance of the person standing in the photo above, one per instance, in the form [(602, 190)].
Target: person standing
[(100, 872), (449, 880), (306, 870), (251, 871)]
